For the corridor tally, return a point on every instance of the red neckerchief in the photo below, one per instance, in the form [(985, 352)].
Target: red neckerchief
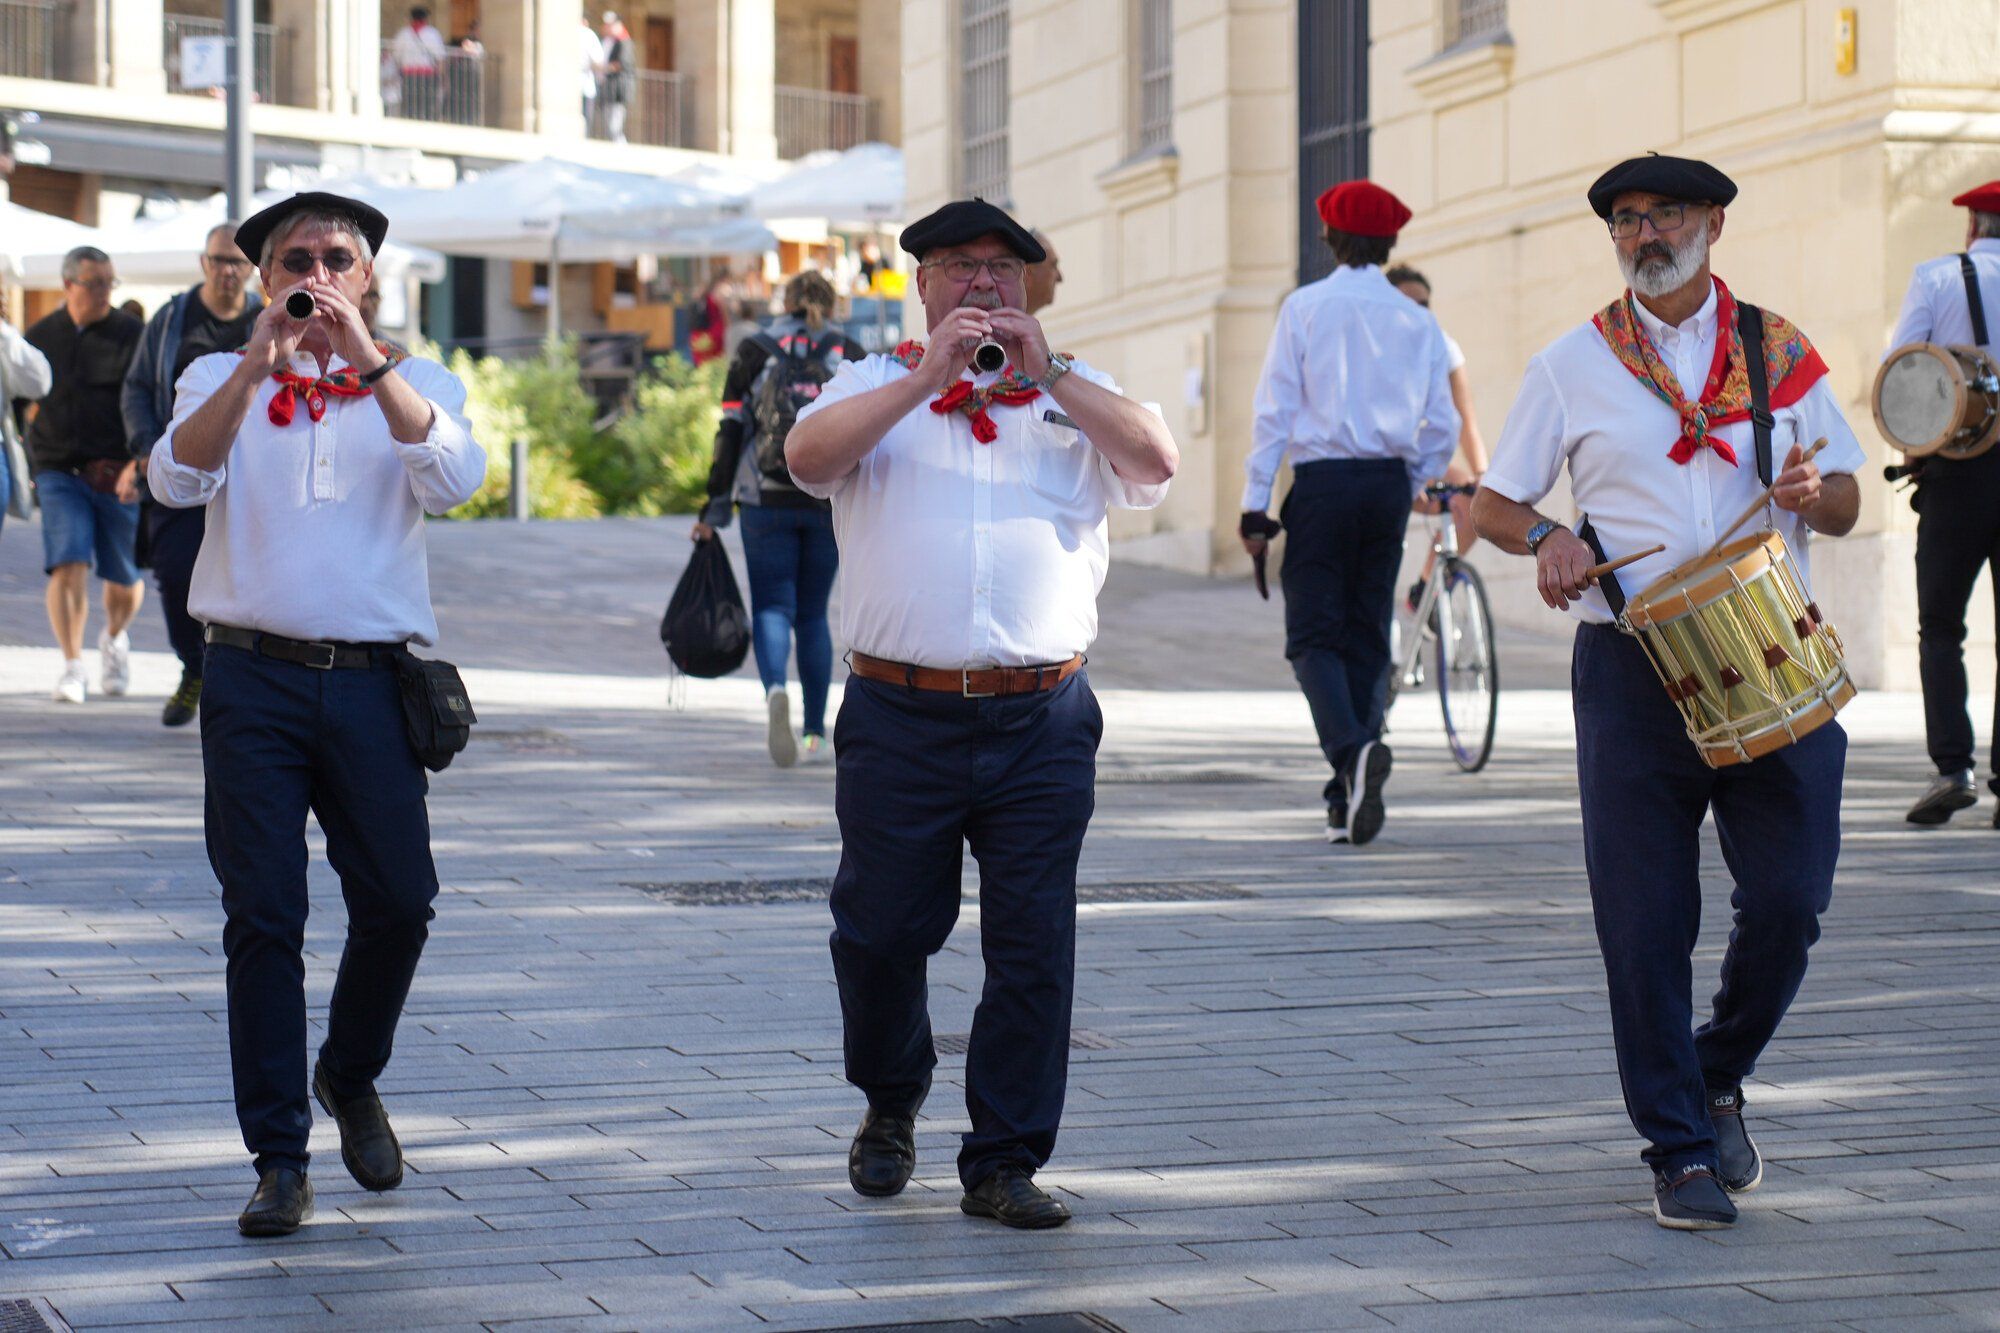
[(344, 383), (1790, 363), (1012, 389)]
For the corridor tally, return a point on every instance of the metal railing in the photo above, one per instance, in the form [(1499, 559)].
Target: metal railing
[(656, 112), (810, 119), (462, 89), (1469, 21), (1154, 127), (269, 44), (28, 38), (983, 99)]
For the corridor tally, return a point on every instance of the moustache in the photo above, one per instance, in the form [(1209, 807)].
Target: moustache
[(981, 301), (1655, 250)]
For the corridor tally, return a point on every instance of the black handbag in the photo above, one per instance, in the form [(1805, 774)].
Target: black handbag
[(436, 709), (706, 628)]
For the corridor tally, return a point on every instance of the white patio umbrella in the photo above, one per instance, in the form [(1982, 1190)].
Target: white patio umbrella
[(165, 249), (860, 187), (33, 243)]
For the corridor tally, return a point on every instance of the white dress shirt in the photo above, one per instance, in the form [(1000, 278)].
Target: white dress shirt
[(417, 50), (591, 48), (25, 368), (1355, 369), (1934, 309), (1580, 406), (315, 530), (955, 553)]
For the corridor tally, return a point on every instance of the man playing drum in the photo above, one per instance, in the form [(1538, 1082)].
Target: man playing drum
[(1649, 405), (1958, 512)]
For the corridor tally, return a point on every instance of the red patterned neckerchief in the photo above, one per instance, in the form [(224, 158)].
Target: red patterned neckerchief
[(343, 383), (1790, 362), (1012, 389)]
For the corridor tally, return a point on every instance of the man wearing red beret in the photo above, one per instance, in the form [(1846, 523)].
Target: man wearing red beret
[(1958, 510), (1356, 391)]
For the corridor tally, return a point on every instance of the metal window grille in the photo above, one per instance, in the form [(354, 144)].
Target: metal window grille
[(810, 119), (982, 49), (1468, 21), (1333, 114), (28, 31), (1155, 124), (658, 112), (269, 48)]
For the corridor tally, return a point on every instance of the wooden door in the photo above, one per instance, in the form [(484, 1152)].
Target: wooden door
[(659, 44), (843, 65), (464, 15)]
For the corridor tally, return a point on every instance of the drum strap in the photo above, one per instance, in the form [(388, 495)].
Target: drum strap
[(1614, 595), (1750, 327), (1973, 305)]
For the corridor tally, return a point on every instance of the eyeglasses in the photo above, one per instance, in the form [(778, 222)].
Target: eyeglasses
[(95, 285), (234, 261), (1666, 218), (301, 262), (964, 268)]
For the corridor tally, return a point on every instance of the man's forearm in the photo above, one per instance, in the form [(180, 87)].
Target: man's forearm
[(827, 445), (408, 412), (1137, 442), (203, 441), (1504, 522)]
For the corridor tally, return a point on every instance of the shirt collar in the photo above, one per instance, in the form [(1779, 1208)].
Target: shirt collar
[(1985, 245), (304, 363), (1698, 325)]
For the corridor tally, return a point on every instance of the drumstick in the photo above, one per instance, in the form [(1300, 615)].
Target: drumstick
[(1763, 499), (1596, 572)]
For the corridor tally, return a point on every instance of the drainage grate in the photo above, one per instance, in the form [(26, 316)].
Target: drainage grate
[(750, 892), (1020, 1323), (957, 1043), (30, 1316), (1119, 777)]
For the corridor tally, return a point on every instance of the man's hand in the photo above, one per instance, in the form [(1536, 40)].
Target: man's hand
[(949, 351), (1256, 528), (273, 337), (346, 332), (1798, 486), (128, 483), (1562, 568), (1021, 335)]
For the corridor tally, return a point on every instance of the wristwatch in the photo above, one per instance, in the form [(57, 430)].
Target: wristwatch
[(1539, 533), (1058, 367)]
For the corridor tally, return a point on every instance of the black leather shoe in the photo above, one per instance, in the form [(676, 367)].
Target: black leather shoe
[(282, 1204), (883, 1154), (368, 1146), (1946, 796), (1011, 1197), (1691, 1199), (1740, 1166)]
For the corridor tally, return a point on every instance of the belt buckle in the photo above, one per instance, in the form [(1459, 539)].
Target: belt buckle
[(965, 686), (314, 663)]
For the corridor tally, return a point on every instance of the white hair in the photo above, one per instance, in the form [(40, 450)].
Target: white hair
[(325, 217), (1654, 275)]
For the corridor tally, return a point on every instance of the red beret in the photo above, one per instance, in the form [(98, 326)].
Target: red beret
[(1985, 198), (1362, 208)]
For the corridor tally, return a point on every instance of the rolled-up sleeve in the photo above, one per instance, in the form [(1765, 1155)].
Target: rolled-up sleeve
[(172, 482), (447, 466), (853, 377), (1528, 459)]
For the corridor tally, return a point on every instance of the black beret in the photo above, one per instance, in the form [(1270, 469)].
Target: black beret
[(965, 220), (1672, 177), (258, 227)]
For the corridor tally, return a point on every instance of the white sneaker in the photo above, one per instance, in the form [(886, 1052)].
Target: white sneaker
[(814, 750), (115, 662), (74, 683), (784, 746)]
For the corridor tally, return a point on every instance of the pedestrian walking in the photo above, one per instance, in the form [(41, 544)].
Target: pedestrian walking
[(788, 544), (1468, 465), (621, 80), (84, 474), (317, 454), (215, 315), (971, 514)]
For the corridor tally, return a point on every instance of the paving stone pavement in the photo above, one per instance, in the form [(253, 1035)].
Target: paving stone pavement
[(1331, 1090)]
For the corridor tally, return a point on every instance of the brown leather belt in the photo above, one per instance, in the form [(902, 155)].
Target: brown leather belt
[(969, 682)]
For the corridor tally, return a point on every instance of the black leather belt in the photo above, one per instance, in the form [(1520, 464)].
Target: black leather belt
[(320, 656)]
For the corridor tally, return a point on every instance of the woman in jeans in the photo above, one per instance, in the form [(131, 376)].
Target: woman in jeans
[(787, 534)]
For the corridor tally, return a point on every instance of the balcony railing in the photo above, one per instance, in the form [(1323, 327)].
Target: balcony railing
[(656, 113), (1470, 21), (28, 38), (810, 119), (464, 89), (269, 44)]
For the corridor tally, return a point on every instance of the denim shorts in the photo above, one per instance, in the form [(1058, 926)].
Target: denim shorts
[(82, 527)]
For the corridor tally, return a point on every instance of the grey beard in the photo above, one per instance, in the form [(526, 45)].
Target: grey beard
[(1656, 277)]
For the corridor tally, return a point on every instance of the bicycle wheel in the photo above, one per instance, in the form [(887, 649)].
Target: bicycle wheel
[(1468, 671)]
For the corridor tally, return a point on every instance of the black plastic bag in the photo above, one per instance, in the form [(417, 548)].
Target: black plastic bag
[(706, 628)]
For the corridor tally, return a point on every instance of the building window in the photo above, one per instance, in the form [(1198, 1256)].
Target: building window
[(1153, 123), (982, 99), (1333, 114), (1469, 22)]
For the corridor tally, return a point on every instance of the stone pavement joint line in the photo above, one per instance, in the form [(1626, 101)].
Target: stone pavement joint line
[(1336, 1088)]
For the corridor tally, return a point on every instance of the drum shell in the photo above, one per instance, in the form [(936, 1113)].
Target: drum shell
[(1966, 379)]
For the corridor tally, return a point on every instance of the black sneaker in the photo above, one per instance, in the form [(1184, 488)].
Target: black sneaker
[(1335, 796), (1691, 1199), (1364, 806), (1740, 1167), (1946, 796), (183, 703)]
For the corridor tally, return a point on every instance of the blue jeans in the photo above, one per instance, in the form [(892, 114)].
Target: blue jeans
[(918, 777), (1645, 792), (792, 559), (83, 527)]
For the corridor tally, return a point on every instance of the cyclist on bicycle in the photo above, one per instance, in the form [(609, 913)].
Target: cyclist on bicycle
[(1469, 464)]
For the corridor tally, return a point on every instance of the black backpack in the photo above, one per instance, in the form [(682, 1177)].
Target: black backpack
[(791, 378), (706, 630)]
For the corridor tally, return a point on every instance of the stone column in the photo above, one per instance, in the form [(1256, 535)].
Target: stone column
[(727, 49), (304, 53), (881, 41)]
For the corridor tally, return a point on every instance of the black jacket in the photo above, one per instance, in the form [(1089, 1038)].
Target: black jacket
[(734, 477)]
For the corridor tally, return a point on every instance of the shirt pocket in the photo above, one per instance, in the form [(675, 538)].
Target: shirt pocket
[(1059, 464)]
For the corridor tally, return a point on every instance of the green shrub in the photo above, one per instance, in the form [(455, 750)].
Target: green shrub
[(662, 448)]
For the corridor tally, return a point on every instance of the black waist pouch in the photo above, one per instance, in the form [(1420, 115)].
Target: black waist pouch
[(436, 709)]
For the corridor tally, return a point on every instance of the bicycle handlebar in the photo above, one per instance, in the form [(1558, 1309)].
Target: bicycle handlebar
[(1438, 490)]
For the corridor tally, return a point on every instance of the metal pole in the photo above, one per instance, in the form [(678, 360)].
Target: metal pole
[(240, 171), (519, 480)]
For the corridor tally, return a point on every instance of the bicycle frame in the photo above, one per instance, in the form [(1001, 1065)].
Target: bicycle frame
[(1444, 552)]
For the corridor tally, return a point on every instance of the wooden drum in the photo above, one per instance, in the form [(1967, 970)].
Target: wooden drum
[(1931, 399), (1745, 655)]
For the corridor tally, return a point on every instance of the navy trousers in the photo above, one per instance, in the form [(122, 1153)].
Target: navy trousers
[(919, 776), (1344, 521), (279, 739), (175, 537), (1645, 792), (1958, 534)]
